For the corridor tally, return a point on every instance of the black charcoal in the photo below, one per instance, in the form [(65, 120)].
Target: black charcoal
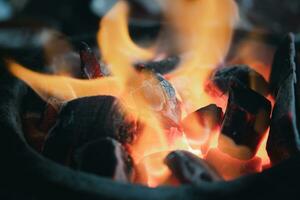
[(90, 66), (210, 116), (106, 158), (223, 77), (283, 64), (190, 169), (246, 120), (284, 138), (84, 120), (162, 67), (201, 125)]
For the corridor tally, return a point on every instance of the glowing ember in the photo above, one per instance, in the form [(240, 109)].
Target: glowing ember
[(202, 34)]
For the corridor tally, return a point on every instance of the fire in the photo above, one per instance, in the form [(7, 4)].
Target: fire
[(115, 43), (262, 153), (203, 30), (202, 34)]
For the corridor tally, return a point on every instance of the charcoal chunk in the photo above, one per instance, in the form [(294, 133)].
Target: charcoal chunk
[(246, 120), (223, 77), (84, 120), (106, 158), (200, 126), (171, 112), (162, 67), (90, 66), (161, 97), (190, 169), (210, 116), (284, 62), (284, 138)]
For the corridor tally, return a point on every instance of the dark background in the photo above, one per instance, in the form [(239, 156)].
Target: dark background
[(80, 17)]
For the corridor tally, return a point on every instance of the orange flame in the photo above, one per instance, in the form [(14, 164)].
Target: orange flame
[(202, 30), (262, 152)]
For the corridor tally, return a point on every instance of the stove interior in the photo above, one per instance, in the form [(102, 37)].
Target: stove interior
[(160, 92)]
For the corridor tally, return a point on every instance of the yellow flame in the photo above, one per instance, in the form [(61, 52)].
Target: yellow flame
[(203, 30), (117, 48), (62, 87), (262, 152)]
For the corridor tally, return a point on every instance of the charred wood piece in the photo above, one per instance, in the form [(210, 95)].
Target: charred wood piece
[(284, 138), (90, 66), (84, 120), (202, 124), (190, 169), (246, 120), (284, 62), (162, 67), (222, 79), (210, 116), (106, 158)]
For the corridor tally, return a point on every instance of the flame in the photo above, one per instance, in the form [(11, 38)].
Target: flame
[(117, 48), (62, 87), (202, 33), (119, 52), (262, 152)]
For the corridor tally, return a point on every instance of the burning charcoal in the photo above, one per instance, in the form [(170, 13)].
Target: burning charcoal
[(223, 77), (283, 140), (190, 169), (171, 111), (161, 97), (89, 63), (283, 64), (104, 157), (161, 67), (246, 120), (84, 120), (230, 168), (200, 126)]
